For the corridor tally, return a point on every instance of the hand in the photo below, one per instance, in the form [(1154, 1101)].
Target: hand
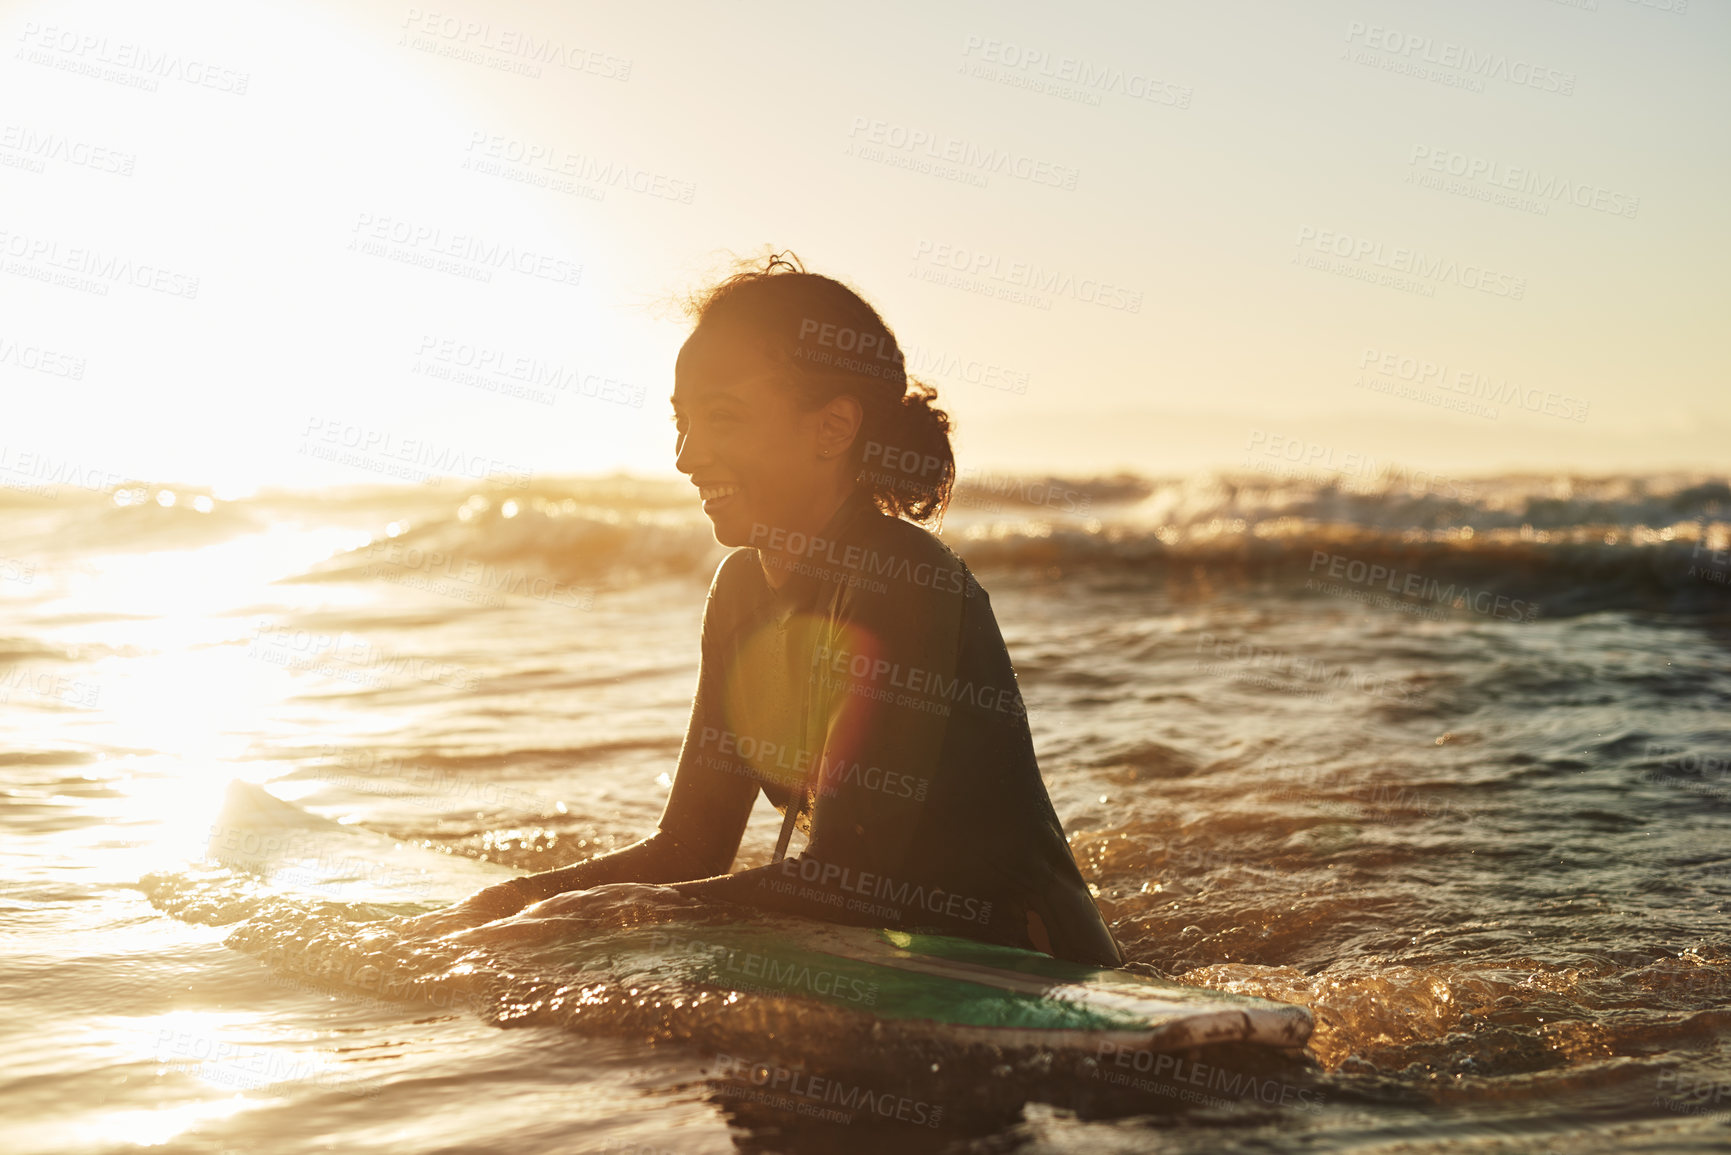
[(609, 906), (608, 898), (498, 901)]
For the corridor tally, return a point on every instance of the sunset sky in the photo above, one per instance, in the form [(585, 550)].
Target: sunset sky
[(1139, 236)]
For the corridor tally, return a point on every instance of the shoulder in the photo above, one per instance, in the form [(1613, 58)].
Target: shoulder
[(740, 574), (896, 537), (735, 592), (899, 565)]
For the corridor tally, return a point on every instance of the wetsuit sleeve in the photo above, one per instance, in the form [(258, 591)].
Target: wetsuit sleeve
[(712, 796), (708, 808)]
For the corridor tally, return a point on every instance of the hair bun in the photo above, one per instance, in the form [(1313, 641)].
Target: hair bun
[(912, 468)]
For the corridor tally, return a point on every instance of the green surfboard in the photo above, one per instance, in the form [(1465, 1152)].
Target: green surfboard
[(953, 988)]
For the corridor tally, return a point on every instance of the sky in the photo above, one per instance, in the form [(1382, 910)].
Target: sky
[(323, 243)]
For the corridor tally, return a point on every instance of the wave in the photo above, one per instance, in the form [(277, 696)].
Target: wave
[(1557, 546), (1512, 547)]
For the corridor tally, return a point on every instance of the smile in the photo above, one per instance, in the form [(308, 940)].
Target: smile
[(716, 495)]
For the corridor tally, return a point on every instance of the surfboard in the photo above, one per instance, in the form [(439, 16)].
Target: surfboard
[(956, 988)]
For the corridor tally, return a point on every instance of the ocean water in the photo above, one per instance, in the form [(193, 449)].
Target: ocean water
[(1448, 764)]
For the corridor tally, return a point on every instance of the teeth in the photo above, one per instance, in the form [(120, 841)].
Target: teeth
[(711, 492)]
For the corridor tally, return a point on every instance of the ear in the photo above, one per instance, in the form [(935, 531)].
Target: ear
[(838, 423)]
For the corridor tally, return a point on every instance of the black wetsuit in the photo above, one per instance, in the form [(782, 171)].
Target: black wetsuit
[(874, 687)]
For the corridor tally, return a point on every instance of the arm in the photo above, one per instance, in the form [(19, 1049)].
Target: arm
[(700, 826), (659, 858)]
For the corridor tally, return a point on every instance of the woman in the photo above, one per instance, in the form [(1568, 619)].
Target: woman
[(851, 667)]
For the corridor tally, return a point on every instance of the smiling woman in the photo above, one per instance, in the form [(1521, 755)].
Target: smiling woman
[(852, 669)]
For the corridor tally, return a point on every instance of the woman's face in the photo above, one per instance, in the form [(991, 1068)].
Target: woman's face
[(750, 451)]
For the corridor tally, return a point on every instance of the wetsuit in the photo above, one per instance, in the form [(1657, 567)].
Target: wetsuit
[(873, 694)]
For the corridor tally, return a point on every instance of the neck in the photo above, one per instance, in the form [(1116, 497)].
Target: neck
[(777, 563)]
